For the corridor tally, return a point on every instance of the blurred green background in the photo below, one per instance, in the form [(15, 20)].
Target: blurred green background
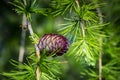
[(10, 35)]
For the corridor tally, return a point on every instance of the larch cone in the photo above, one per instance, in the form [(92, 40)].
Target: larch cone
[(53, 43)]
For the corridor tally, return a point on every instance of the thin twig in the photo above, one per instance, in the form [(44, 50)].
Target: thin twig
[(100, 58), (100, 42), (37, 50), (99, 15), (77, 4), (82, 23), (22, 44), (83, 28)]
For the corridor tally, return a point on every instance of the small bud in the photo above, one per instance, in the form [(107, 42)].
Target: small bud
[(53, 43)]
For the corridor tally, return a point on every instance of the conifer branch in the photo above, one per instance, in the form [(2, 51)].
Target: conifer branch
[(37, 50), (100, 42), (22, 43), (23, 35)]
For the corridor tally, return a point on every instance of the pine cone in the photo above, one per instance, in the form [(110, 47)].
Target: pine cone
[(53, 43)]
